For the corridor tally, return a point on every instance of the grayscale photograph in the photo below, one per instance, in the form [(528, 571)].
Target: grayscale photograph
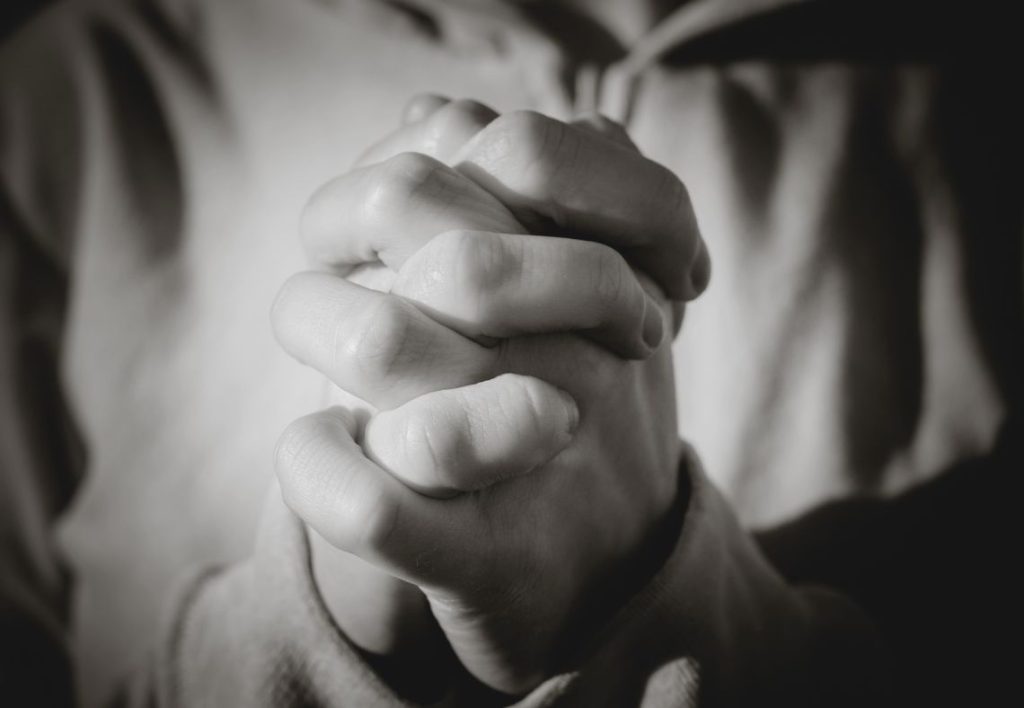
[(494, 353)]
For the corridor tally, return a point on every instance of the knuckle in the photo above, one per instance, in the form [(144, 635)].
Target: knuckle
[(598, 122), (610, 126), (672, 192), (605, 126), (397, 180), (533, 139), (462, 118), (377, 344), (528, 130), (480, 263), (422, 105), (487, 266)]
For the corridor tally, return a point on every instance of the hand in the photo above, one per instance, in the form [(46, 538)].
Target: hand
[(407, 533), (385, 616), (380, 614), (585, 179)]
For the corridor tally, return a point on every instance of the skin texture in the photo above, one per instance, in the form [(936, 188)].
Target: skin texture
[(520, 448)]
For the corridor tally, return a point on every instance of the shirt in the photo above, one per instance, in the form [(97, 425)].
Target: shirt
[(858, 340)]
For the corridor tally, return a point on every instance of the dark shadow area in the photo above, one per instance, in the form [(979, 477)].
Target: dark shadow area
[(40, 301), (935, 567), (179, 36), (756, 163), (147, 151), (34, 668), (863, 31), (14, 13), (978, 131), (872, 195)]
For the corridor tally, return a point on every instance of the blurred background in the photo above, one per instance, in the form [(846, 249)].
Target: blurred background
[(14, 12)]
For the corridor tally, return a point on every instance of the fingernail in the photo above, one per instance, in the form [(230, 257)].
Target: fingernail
[(700, 272), (572, 413), (654, 328)]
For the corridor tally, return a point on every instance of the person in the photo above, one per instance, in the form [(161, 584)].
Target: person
[(504, 513)]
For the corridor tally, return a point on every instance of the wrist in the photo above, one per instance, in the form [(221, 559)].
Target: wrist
[(715, 603), (620, 583), (386, 619)]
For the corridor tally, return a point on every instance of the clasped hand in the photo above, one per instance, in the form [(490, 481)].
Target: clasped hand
[(521, 446)]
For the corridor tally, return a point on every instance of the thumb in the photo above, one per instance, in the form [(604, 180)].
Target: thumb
[(464, 439)]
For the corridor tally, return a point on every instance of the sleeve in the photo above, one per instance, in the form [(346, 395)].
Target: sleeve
[(254, 633), (257, 634), (40, 454), (717, 625), (38, 468)]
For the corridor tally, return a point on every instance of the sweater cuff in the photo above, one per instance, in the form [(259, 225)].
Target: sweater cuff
[(258, 633), (716, 625)]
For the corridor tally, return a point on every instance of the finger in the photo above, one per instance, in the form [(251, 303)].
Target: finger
[(701, 274), (605, 127), (678, 313), (441, 134), (469, 438), (358, 507), (376, 346), (551, 174), (488, 285), (421, 106), (387, 211)]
